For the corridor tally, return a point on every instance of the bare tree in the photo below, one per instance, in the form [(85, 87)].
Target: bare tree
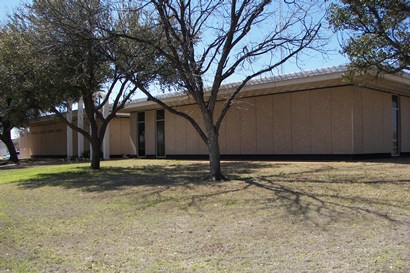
[(209, 42)]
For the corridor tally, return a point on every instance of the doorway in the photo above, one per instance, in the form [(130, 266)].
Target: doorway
[(160, 134), (141, 134), (396, 127)]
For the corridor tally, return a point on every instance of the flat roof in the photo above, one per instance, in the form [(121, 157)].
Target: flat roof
[(290, 82)]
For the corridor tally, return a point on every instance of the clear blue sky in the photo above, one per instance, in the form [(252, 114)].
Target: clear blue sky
[(8, 6)]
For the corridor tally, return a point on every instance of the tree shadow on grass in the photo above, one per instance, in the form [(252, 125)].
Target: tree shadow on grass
[(318, 203), (156, 180), (329, 203), (320, 193), (107, 179), (116, 178)]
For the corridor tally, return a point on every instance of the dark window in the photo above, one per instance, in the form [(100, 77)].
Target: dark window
[(141, 134), (395, 123), (141, 117), (395, 102), (160, 135), (160, 115)]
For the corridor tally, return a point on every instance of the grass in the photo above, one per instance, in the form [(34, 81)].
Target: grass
[(163, 216)]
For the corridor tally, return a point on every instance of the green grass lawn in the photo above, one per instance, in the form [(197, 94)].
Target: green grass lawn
[(164, 216)]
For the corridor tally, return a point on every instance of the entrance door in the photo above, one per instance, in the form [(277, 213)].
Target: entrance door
[(396, 128), (160, 135), (141, 134)]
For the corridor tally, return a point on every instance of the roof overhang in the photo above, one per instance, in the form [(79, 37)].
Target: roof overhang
[(291, 82), (53, 119)]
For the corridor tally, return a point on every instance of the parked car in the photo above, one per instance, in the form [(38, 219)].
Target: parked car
[(6, 156)]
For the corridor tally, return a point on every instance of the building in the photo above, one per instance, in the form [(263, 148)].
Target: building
[(305, 114), (48, 137)]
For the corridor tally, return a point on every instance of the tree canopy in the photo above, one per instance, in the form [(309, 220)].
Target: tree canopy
[(378, 33), (80, 58), (17, 82)]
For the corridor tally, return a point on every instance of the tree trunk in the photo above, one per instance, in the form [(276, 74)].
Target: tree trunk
[(96, 154), (6, 138), (214, 155)]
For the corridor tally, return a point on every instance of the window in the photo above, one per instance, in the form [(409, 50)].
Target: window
[(160, 135), (395, 123), (141, 133)]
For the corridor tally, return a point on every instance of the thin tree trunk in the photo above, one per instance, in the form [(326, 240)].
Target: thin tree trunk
[(6, 138), (214, 155), (96, 154)]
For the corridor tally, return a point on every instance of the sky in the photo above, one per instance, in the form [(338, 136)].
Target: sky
[(7, 6), (333, 57)]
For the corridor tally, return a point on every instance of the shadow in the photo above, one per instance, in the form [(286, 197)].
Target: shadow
[(300, 193), (116, 178), (155, 179), (300, 178), (325, 174), (299, 202), (109, 179), (331, 204), (291, 191)]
